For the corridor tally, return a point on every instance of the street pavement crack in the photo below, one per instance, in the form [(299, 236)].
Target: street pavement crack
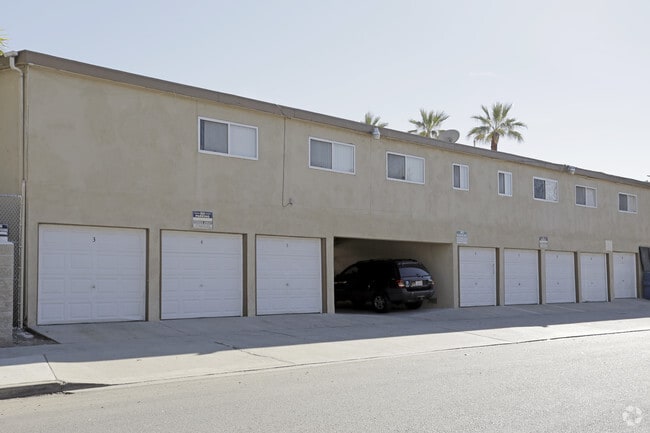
[(248, 352), (47, 361)]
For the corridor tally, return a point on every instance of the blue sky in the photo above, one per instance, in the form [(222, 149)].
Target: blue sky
[(576, 71)]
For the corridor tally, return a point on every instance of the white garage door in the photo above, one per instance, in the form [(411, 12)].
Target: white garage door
[(560, 277), (478, 284), (593, 277), (90, 274), (624, 275), (288, 275), (521, 277), (201, 275)]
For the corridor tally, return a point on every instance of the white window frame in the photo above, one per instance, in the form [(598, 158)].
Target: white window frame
[(463, 177), (334, 144), (507, 183), (636, 203), (546, 189), (229, 124), (586, 204), (406, 168)]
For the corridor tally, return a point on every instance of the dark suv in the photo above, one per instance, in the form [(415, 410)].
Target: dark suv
[(382, 282)]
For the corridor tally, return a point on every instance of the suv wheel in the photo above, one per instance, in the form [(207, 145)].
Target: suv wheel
[(381, 303)]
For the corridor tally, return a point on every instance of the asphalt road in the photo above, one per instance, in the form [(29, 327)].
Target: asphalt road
[(588, 384)]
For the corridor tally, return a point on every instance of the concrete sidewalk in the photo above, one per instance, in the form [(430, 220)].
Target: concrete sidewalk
[(89, 355)]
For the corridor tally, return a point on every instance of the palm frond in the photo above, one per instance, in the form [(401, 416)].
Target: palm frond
[(495, 124), (371, 119)]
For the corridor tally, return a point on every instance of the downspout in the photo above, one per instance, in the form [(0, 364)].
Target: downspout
[(11, 55)]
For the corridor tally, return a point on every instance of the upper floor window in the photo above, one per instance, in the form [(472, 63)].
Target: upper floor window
[(504, 181), (330, 155), (545, 189), (404, 167), (585, 196), (460, 176), (226, 138), (627, 202)]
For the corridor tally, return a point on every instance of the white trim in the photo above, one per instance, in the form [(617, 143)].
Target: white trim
[(332, 142), (460, 176), (406, 157), (557, 184), (210, 152), (586, 188), (507, 174), (618, 203)]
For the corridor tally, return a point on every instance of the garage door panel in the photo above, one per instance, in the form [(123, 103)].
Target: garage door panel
[(288, 275), (223, 264), (187, 263), (296, 247), (593, 277), (223, 246), (625, 281), (476, 296), (560, 277), (300, 304), (127, 263), (80, 311), (126, 289), (271, 260), (80, 288), (202, 275), (277, 268), (230, 285), (77, 271), (52, 312), (51, 288), (477, 271), (477, 276), (521, 277), (105, 309), (295, 286), (80, 262), (52, 262)]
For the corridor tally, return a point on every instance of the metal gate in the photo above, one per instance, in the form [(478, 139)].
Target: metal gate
[(10, 214)]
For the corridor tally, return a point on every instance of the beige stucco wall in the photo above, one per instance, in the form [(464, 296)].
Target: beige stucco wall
[(109, 154), (10, 141)]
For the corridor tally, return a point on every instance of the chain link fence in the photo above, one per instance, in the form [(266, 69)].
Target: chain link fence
[(10, 214)]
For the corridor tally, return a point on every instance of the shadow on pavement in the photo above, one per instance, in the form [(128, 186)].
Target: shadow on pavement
[(506, 324)]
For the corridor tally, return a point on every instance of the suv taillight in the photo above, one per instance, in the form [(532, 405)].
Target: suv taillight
[(400, 284)]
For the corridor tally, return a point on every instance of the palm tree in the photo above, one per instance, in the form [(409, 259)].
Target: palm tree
[(3, 43), (429, 126), (496, 124), (371, 119)]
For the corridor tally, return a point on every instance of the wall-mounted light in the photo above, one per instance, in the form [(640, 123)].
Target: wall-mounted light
[(375, 133), (571, 169)]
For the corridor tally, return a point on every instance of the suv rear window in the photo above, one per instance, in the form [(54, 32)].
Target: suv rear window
[(413, 271), (384, 270)]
